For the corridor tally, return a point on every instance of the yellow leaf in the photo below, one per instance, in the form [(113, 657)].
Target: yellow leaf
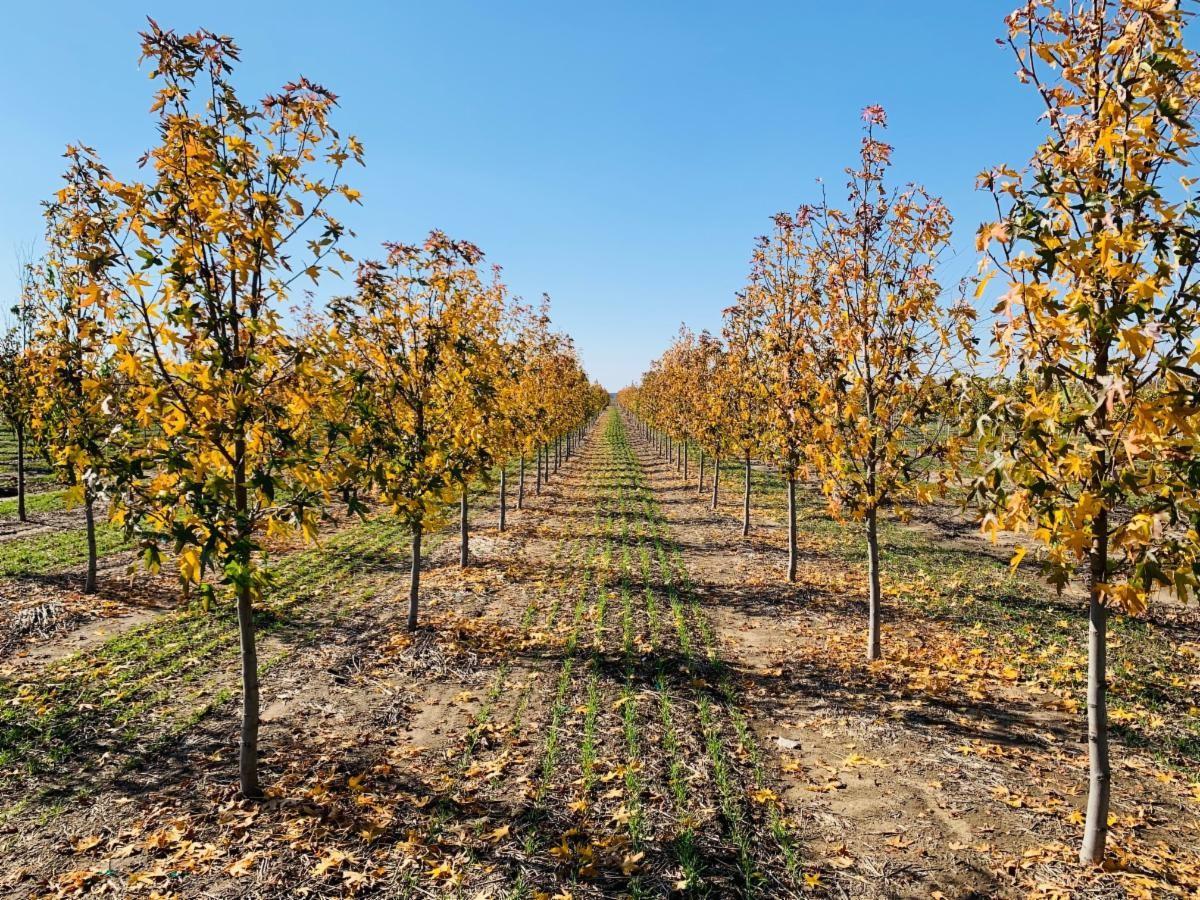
[(1018, 555), (189, 564), (243, 867), (84, 844)]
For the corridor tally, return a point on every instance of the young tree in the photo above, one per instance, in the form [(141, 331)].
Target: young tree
[(777, 306), (17, 394), (551, 357), (197, 266), (534, 343), (713, 403), (884, 347), (483, 434), (744, 392), (679, 385), (77, 391), (1095, 456), (506, 431), (412, 346), (568, 395)]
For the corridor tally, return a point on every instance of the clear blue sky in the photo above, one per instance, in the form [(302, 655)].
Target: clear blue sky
[(620, 156)]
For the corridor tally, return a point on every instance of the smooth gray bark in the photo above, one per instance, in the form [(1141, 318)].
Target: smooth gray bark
[(791, 514), (20, 429), (873, 598), (464, 530), (89, 515), (521, 484), (248, 742), (746, 500), (503, 498), (414, 579), (1095, 829), (716, 479)]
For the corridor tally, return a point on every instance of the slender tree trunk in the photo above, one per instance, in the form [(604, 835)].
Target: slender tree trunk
[(89, 515), (1095, 829), (20, 429), (716, 479), (503, 498), (414, 580), (700, 480), (746, 500), (537, 458), (686, 476), (464, 530), (791, 514), (521, 484), (873, 599), (248, 745)]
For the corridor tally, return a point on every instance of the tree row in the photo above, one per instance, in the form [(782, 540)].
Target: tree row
[(158, 365), (844, 360)]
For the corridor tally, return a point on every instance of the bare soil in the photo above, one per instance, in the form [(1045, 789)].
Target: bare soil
[(619, 697)]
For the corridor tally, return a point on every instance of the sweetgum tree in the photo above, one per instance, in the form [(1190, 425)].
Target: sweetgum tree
[(192, 269), (1096, 243)]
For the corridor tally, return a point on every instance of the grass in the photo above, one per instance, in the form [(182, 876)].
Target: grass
[(483, 715), (558, 708), (131, 696), (41, 554), (622, 548), (40, 502), (1015, 613), (38, 474), (127, 680), (694, 633), (623, 711)]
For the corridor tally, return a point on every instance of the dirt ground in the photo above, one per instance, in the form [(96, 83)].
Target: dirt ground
[(618, 698), (932, 770)]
